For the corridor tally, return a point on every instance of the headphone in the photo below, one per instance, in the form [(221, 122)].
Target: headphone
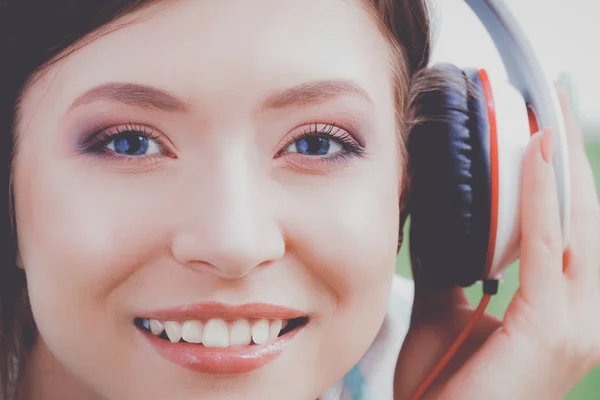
[(466, 159)]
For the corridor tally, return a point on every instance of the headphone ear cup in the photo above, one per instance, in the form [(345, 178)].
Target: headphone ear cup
[(450, 188)]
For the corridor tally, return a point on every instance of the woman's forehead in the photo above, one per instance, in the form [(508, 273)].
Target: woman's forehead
[(224, 49)]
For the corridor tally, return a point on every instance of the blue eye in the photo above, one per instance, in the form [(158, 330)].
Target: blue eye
[(133, 144), (315, 146)]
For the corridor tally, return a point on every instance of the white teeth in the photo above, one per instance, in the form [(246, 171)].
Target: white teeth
[(156, 327), (216, 333), (173, 330), (239, 335), (192, 331), (260, 331), (275, 328)]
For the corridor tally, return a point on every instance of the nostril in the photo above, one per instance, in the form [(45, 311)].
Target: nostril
[(227, 246)]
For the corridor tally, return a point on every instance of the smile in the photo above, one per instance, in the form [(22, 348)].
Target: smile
[(215, 338)]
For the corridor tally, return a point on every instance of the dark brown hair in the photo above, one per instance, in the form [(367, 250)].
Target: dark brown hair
[(36, 33)]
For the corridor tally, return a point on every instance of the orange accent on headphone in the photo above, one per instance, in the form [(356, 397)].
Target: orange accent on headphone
[(494, 170), (533, 121)]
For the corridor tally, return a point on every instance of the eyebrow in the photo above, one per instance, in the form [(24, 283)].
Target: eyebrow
[(135, 95), (314, 92), (149, 97)]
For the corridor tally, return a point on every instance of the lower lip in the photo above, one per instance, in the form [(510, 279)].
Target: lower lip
[(220, 361)]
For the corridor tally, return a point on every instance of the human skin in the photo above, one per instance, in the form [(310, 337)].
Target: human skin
[(222, 212)]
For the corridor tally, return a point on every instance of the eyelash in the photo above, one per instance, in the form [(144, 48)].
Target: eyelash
[(351, 147), (97, 143)]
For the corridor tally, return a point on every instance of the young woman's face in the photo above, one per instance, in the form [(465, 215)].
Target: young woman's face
[(220, 163)]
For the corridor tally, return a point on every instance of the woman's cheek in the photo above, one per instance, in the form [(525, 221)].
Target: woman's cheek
[(81, 235), (347, 239), (344, 231), (354, 235)]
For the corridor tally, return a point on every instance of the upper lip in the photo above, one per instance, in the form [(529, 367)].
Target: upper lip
[(205, 311)]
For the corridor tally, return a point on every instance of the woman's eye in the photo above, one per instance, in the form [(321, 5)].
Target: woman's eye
[(133, 144), (315, 146)]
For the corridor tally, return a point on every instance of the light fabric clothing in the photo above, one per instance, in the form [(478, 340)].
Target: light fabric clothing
[(372, 378)]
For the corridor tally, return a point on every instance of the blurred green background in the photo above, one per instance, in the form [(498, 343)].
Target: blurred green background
[(589, 388)]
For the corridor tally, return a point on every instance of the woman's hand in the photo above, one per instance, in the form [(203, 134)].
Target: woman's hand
[(549, 338)]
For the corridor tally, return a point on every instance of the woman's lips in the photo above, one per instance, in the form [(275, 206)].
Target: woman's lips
[(239, 339)]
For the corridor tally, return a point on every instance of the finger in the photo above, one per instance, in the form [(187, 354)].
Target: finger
[(564, 97), (582, 170), (581, 261), (583, 186), (541, 240)]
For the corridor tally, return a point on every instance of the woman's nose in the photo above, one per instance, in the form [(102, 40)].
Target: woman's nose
[(230, 225)]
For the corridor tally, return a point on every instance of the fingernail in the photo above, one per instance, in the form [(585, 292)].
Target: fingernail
[(547, 145)]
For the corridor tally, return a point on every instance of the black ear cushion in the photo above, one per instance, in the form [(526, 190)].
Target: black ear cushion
[(450, 195)]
